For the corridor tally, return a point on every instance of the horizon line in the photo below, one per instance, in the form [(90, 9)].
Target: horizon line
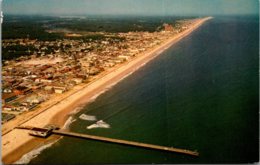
[(128, 15)]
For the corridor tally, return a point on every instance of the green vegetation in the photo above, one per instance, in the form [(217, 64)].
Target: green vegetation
[(112, 24), (18, 28), (35, 27), (97, 37), (15, 51)]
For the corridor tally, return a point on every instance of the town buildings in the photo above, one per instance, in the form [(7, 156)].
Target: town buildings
[(55, 67)]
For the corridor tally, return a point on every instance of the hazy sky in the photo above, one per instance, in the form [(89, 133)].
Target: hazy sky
[(131, 7)]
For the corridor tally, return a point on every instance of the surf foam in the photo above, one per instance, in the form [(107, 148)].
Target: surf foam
[(25, 159), (68, 122), (87, 117), (76, 110), (99, 124)]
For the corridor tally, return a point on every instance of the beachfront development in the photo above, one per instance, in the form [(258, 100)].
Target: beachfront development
[(58, 76), (56, 67)]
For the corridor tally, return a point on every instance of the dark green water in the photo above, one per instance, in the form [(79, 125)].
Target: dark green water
[(201, 94)]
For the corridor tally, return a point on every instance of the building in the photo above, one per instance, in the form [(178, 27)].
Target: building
[(59, 89), (49, 89), (93, 71), (9, 108), (22, 90), (167, 27), (77, 80), (7, 97), (35, 99), (6, 117)]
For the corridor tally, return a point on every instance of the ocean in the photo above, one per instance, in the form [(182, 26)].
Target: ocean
[(201, 94)]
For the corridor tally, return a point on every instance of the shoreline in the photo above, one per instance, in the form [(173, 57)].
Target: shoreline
[(15, 140)]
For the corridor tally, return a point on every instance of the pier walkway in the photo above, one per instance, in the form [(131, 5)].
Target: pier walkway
[(112, 140)]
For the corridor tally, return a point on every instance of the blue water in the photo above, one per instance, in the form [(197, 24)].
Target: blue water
[(201, 94)]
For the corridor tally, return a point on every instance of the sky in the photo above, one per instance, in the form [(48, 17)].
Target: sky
[(131, 7)]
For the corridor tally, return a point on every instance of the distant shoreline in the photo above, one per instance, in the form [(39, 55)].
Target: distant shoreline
[(18, 142)]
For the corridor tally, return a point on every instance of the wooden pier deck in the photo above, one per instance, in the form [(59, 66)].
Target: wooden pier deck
[(119, 141)]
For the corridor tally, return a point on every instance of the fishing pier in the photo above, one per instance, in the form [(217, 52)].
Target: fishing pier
[(47, 131)]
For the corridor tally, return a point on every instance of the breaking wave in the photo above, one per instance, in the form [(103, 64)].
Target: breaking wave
[(25, 159), (87, 117), (68, 122), (93, 98), (76, 110), (99, 124)]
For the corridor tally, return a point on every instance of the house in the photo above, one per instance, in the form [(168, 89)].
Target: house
[(43, 80), (22, 90), (118, 61), (93, 71), (77, 80), (123, 57), (36, 87), (167, 27), (8, 108), (6, 117), (7, 90), (109, 64), (59, 89), (34, 99), (7, 97), (81, 75), (49, 89)]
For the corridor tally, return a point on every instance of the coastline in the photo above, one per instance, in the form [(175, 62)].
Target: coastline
[(58, 114)]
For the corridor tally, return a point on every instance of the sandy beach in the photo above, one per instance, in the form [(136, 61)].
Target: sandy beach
[(16, 143)]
